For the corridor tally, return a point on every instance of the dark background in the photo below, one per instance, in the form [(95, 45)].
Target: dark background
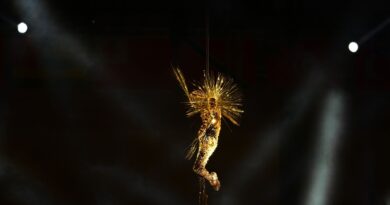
[(90, 112)]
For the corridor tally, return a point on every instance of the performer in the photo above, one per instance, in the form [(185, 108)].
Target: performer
[(214, 99)]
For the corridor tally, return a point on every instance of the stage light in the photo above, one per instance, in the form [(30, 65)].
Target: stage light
[(22, 27), (353, 47)]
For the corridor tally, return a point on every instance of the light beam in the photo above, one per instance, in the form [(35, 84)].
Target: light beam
[(325, 151)]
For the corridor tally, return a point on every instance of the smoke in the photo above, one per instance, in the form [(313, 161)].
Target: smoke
[(266, 143)]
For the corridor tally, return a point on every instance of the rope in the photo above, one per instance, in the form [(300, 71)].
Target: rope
[(202, 191)]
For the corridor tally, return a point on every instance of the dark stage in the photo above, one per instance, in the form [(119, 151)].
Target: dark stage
[(91, 112)]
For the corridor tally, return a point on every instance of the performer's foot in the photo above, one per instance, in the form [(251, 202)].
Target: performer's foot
[(214, 182)]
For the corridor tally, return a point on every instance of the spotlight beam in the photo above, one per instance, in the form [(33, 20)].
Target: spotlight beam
[(47, 29), (325, 151), (374, 31), (354, 46), (266, 143)]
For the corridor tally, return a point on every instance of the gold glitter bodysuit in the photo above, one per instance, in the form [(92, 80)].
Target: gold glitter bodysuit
[(214, 99)]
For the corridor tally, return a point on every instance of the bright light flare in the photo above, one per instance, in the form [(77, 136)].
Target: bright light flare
[(22, 27), (353, 47)]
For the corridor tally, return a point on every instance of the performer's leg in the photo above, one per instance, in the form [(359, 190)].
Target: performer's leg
[(206, 149)]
